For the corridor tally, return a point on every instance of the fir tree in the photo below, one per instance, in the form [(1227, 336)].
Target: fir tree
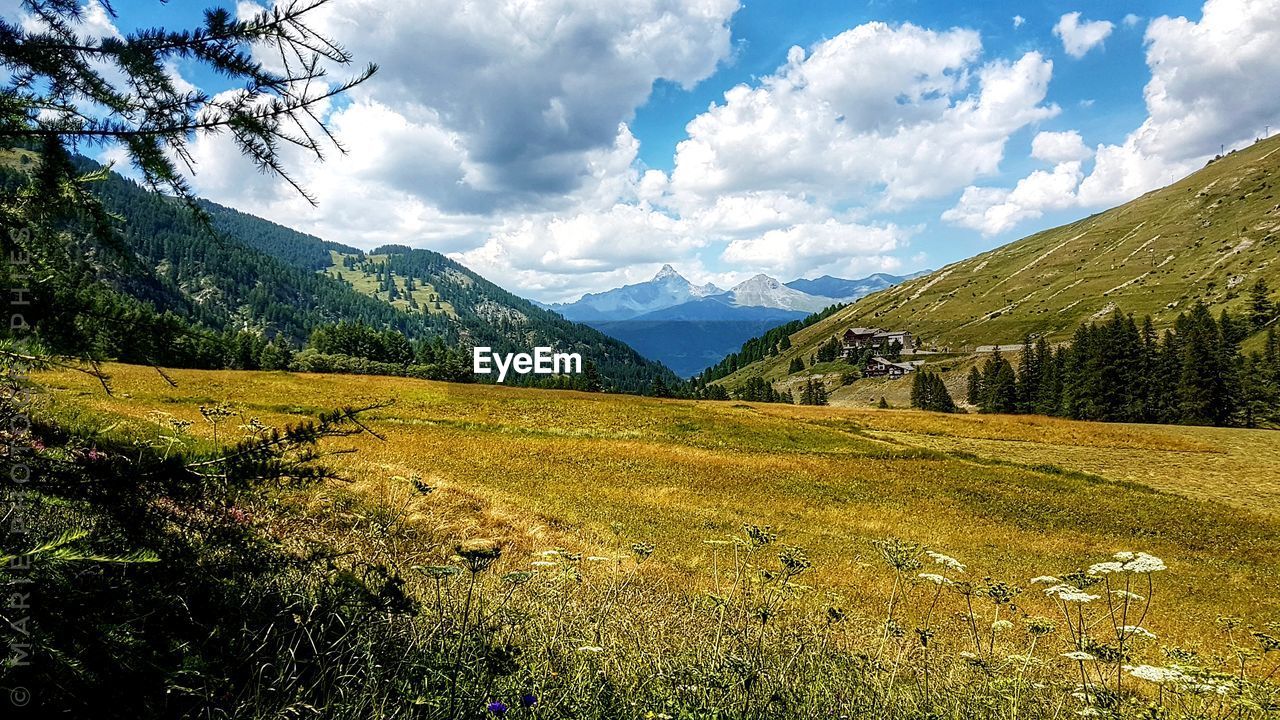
[(1261, 309)]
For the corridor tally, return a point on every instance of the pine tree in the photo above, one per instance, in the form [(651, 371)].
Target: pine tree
[(1029, 377), (797, 365), (1261, 309), (883, 404), (975, 393), (1203, 397)]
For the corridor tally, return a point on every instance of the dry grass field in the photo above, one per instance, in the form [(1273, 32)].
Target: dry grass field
[(1013, 497)]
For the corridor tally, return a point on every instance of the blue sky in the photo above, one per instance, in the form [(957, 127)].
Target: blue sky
[(565, 146)]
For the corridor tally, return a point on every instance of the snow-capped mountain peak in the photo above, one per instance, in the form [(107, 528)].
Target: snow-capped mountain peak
[(667, 272), (764, 291)]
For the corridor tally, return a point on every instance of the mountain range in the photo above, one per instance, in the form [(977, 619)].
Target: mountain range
[(1207, 237), (689, 327), (191, 283)]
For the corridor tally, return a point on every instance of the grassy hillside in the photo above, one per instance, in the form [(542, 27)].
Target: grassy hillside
[(1208, 236), (423, 298), (1014, 497)]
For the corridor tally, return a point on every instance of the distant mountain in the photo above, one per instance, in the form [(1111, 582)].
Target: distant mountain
[(764, 291), (850, 290), (690, 327), (694, 335), (666, 289)]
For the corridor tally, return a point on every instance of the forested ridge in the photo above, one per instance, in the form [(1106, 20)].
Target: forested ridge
[(220, 294)]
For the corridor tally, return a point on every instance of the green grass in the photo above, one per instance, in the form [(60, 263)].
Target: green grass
[(366, 283)]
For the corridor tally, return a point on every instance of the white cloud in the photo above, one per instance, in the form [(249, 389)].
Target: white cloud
[(877, 115), (1019, 21), (1131, 20), (1194, 105), (995, 210), (828, 247), (1078, 37), (1194, 98), (1056, 147)]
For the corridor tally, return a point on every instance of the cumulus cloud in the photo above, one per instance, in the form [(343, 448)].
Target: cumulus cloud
[(1131, 20), (1019, 21), (878, 114), (1080, 36), (1194, 102), (1193, 107), (995, 210), (1056, 147), (827, 247)]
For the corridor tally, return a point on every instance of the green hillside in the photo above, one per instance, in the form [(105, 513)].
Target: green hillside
[(194, 290), (1208, 236)]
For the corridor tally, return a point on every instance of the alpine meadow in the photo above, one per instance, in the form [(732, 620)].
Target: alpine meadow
[(348, 374)]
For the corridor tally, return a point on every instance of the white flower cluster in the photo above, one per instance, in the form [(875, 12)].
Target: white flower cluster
[(946, 561), (1070, 593)]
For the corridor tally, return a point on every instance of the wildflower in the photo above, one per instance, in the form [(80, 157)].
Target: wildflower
[(542, 564), (1136, 631), (438, 572), (590, 649), (1157, 675), (528, 700), (794, 560), (642, 550), (1126, 595), (1106, 568), (497, 707), (759, 536), (1070, 593), (598, 558), (1040, 626), (1078, 655), (549, 553), (1001, 625), (1000, 592), (934, 578), (1144, 563), (478, 554), (1045, 580), (1269, 643), (898, 554), (517, 577), (946, 561)]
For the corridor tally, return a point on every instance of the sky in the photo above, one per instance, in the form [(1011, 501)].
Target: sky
[(563, 146)]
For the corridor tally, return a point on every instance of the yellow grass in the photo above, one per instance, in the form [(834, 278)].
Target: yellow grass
[(1014, 497)]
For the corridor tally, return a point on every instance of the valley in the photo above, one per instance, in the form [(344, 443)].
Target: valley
[(1013, 497)]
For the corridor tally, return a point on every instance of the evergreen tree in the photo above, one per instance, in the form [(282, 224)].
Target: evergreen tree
[(883, 404), (999, 386), (1203, 395), (1261, 309), (929, 392), (797, 365), (975, 393), (814, 393)]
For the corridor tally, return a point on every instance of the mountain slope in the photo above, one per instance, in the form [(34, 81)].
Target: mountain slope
[(1206, 237), (263, 277)]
